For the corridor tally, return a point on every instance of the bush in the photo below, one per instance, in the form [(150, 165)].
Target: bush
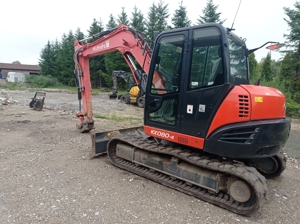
[(297, 97), (42, 81), (292, 109)]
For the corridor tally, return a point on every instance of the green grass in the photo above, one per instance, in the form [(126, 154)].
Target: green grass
[(101, 116), (12, 86), (117, 118)]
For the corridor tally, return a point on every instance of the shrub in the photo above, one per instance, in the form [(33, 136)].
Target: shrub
[(292, 109), (42, 81)]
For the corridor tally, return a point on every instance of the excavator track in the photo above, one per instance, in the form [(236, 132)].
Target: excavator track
[(232, 169)]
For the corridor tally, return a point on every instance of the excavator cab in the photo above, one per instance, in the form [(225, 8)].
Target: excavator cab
[(192, 63)]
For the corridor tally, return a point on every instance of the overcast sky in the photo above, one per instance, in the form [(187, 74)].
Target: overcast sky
[(26, 26)]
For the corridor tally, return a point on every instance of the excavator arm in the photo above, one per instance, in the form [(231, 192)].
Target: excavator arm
[(124, 39)]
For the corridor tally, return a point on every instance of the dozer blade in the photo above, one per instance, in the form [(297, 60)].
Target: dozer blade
[(100, 139)]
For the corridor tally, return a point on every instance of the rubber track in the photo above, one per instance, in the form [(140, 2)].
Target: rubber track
[(222, 199)]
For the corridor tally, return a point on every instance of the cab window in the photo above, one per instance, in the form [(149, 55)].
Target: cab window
[(207, 59)]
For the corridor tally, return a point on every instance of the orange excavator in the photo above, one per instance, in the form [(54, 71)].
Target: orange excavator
[(207, 131)]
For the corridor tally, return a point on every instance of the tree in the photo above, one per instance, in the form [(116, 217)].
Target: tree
[(289, 75), (123, 17), (162, 16), (56, 47), (157, 19), (96, 63), (79, 35), (137, 20), (111, 22), (65, 59), (266, 73), (46, 59), (180, 18), (293, 38), (253, 68), (210, 14), (151, 22), (291, 62), (49, 59)]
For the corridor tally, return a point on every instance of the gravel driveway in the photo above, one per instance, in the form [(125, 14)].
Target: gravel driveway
[(47, 176)]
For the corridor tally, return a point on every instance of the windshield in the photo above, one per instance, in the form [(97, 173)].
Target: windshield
[(238, 62)]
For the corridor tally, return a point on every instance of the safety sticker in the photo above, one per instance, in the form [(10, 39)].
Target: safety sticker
[(259, 99), (189, 109), (201, 108)]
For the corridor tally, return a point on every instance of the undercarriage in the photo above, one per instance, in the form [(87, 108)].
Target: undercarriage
[(225, 183), (236, 185)]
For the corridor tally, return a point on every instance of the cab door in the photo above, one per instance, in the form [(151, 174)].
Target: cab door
[(206, 86), (165, 81)]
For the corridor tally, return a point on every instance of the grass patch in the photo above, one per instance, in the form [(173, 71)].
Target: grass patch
[(12, 86), (122, 119), (101, 116)]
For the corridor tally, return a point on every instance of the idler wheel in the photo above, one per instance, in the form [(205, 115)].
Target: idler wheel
[(269, 167), (239, 190)]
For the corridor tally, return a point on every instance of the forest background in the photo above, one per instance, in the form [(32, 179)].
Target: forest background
[(57, 65)]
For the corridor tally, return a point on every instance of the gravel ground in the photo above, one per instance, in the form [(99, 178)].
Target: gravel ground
[(47, 176)]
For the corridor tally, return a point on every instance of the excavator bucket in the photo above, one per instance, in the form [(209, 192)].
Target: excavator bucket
[(37, 101), (100, 139)]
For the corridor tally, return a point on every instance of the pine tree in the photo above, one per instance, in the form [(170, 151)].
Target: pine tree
[(253, 68), (266, 72), (65, 59), (210, 14), (111, 22), (293, 22), (46, 59), (95, 27), (287, 70), (123, 17), (79, 35), (137, 20), (180, 18), (96, 63), (289, 74), (56, 47), (293, 53), (162, 16), (151, 22)]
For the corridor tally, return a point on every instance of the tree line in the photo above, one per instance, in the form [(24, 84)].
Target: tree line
[(56, 58)]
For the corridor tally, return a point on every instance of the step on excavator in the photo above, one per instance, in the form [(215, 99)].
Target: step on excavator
[(207, 131)]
